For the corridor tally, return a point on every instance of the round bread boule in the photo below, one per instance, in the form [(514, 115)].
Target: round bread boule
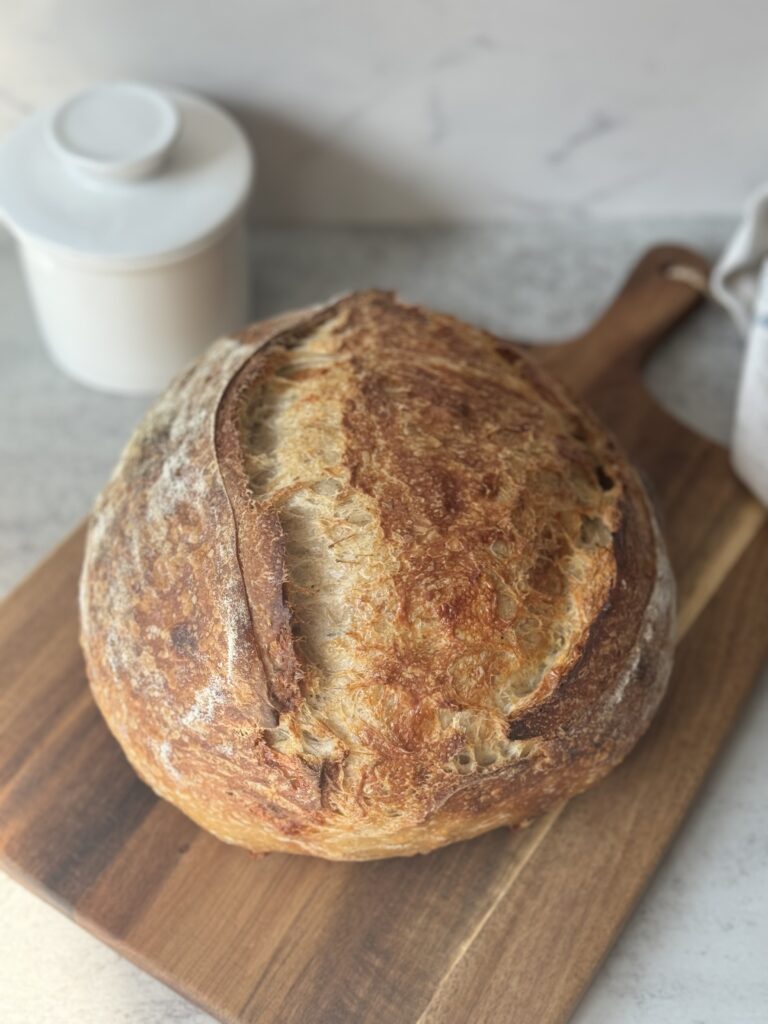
[(367, 581)]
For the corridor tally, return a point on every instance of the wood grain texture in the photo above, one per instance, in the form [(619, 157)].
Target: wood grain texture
[(509, 926)]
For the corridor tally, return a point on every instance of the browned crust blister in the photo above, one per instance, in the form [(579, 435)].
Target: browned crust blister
[(366, 581)]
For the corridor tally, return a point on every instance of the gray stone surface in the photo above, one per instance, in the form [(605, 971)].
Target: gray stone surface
[(695, 950)]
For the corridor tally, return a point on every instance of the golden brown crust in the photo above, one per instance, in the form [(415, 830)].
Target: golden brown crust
[(367, 581)]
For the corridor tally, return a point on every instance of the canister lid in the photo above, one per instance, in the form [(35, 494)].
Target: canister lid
[(125, 173)]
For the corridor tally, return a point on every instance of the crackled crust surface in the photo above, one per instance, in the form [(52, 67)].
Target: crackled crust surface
[(367, 581)]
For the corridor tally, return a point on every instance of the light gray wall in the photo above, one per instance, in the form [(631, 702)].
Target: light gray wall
[(439, 110)]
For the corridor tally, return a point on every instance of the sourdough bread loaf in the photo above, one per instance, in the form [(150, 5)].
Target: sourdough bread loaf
[(366, 581)]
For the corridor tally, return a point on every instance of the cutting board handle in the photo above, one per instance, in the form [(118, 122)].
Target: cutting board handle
[(665, 285)]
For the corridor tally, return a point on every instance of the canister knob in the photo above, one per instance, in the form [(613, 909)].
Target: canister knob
[(117, 130)]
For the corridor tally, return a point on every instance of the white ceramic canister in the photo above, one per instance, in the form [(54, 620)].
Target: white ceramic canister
[(128, 203)]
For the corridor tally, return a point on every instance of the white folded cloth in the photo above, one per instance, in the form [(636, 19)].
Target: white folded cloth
[(739, 282)]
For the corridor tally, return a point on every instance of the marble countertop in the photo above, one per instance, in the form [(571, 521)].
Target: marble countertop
[(694, 952)]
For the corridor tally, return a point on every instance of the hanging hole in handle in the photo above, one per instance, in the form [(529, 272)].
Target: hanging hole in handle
[(694, 278)]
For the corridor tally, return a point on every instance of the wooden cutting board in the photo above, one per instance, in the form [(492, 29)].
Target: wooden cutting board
[(509, 926)]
